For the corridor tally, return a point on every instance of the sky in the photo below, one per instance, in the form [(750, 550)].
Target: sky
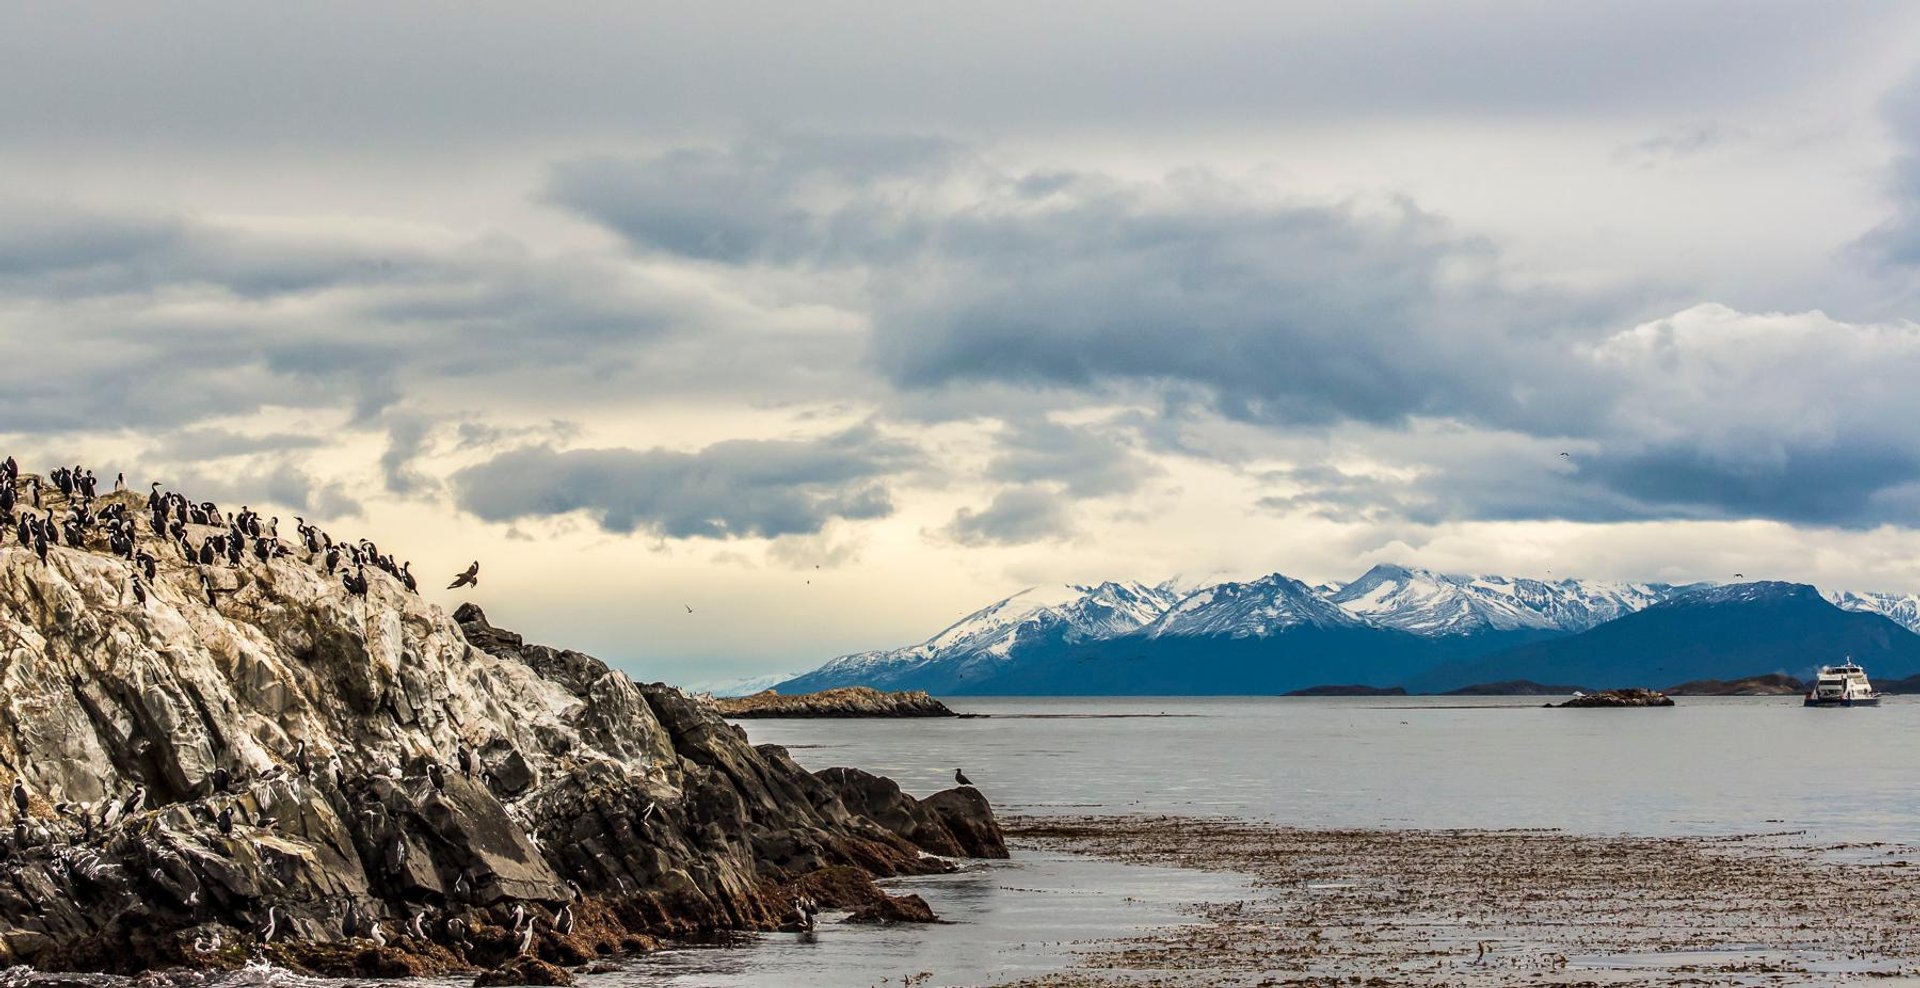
[(734, 337)]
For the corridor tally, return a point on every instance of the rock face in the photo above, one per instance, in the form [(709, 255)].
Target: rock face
[(339, 719), (1773, 684), (1635, 697), (847, 701)]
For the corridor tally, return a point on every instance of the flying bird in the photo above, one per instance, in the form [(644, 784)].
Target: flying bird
[(471, 578), (689, 608), (1739, 576)]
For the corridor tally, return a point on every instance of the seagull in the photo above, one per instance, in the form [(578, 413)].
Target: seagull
[(961, 777), (1739, 576), (1567, 455), (471, 578)]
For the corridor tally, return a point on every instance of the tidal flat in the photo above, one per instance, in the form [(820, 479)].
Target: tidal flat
[(1473, 908)]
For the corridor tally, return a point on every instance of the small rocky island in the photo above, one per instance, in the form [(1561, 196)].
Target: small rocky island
[(846, 701), (227, 741), (1634, 697)]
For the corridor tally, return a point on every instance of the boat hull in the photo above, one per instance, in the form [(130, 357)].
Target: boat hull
[(1859, 701)]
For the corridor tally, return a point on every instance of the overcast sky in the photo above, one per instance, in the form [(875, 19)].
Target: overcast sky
[(834, 321)]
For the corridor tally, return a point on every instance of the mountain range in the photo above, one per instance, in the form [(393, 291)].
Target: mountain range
[(1394, 626)]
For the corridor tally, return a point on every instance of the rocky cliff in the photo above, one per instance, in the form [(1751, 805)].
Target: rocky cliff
[(250, 758)]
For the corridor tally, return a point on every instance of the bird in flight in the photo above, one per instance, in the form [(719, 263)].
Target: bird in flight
[(689, 608), (1567, 455), (1739, 576), (471, 578)]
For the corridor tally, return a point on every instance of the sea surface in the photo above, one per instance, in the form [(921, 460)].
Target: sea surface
[(1707, 766)]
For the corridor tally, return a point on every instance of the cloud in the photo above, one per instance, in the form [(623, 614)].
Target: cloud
[(1016, 515), (732, 489), (1086, 461), (1285, 312)]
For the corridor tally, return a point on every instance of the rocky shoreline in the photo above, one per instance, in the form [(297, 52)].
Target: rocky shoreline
[(1500, 909), (250, 760), (845, 701)]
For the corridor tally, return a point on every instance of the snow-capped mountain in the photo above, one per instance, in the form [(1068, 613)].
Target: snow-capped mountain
[(1259, 609), (1430, 604), (1064, 613), (1391, 626), (1901, 609)]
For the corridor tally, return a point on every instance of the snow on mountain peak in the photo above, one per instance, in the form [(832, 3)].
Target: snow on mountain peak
[(1251, 610), (1423, 602)]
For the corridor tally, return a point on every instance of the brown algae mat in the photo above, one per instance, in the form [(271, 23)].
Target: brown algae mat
[(1496, 908)]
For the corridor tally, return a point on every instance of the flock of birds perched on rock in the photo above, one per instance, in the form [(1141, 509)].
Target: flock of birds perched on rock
[(174, 520)]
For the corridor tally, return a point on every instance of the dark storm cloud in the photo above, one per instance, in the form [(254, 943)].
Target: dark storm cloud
[(1302, 318), (1016, 515), (732, 489), (1287, 313)]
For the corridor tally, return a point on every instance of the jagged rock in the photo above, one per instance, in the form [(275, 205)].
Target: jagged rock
[(956, 823), (845, 701), (638, 797), (1635, 697), (524, 971), (895, 909)]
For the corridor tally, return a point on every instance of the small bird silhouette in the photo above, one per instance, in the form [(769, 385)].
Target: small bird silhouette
[(1739, 576), (471, 578), (961, 777), (689, 608), (1567, 455)]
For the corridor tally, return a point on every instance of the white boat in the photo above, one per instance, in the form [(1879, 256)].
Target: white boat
[(1842, 686)]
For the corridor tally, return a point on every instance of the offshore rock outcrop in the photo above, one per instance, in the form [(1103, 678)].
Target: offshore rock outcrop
[(1633, 697), (597, 814), (844, 701)]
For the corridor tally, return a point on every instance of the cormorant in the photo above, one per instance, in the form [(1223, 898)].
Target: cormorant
[(20, 797), (273, 923), (222, 780), (464, 756), (225, 821), (436, 775), (471, 578), (563, 923)]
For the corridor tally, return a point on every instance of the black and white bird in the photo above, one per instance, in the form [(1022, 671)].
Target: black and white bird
[(19, 797), (225, 821), (563, 923), (273, 924), (471, 578)]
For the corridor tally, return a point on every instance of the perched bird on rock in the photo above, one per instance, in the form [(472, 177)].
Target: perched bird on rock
[(471, 578), (19, 797), (961, 777)]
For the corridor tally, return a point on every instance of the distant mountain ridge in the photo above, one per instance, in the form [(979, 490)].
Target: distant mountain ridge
[(1393, 626)]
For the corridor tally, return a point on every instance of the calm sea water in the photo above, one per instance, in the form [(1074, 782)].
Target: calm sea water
[(1707, 766)]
